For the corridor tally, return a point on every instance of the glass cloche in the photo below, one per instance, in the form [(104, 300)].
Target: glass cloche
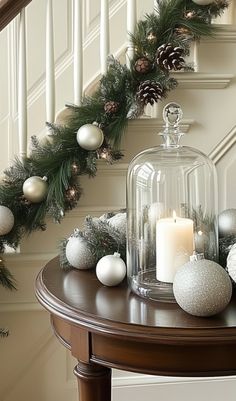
[(172, 209)]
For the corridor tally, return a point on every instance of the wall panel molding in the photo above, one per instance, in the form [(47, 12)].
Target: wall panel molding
[(225, 34), (223, 146), (198, 80)]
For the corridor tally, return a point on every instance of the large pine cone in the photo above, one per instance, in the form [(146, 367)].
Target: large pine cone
[(149, 92), (170, 57)]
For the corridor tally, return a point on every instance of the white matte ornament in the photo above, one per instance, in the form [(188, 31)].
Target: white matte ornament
[(90, 137), (227, 222), (231, 263), (203, 2), (35, 189), (202, 288), (78, 254), (119, 222), (111, 270), (6, 220)]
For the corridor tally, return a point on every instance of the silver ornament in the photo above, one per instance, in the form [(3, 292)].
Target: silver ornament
[(35, 189), (202, 288), (6, 220), (203, 2), (231, 263), (90, 137), (227, 222), (78, 254), (119, 222), (111, 270)]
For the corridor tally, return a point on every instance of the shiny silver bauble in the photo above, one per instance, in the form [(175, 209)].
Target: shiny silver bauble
[(6, 220), (35, 189), (227, 222), (203, 2), (90, 137)]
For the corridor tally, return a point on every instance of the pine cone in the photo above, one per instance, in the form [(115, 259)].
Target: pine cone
[(170, 57), (143, 65), (149, 92), (111, 107)]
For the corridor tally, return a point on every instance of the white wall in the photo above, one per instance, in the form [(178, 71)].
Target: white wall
[(34, 366)]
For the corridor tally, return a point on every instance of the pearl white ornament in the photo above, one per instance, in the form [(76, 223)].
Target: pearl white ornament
[(227, 222), (90, 137), (111, 270), (154, 212), (202, 288), (35, 189), (203, 2), (231, 263), (119, 222), (6, 220), (78, 254)]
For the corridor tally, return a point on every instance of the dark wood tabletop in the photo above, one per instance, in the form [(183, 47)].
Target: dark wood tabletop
[(112, 327)]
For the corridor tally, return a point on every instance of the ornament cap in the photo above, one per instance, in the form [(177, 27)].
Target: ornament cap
[(196, 256), (45, 178), (117, 254)]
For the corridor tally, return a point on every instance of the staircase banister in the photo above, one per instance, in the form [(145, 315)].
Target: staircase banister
[(9, 10)]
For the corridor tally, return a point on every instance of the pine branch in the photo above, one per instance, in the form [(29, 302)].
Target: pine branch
[(6, 278), (4, 332)]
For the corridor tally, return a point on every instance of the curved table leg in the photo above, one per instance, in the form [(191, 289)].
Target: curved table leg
[(94, 382)]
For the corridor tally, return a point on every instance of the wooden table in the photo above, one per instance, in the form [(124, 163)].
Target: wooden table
[(108, 328)]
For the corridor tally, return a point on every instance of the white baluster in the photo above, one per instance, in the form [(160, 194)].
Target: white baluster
[(78, 53), (131, 22), (156, 108), (104, 35), (22, 89), (195, 56), (50, 67)]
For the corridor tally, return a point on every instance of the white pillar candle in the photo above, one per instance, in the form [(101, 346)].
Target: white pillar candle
[(174, 246)]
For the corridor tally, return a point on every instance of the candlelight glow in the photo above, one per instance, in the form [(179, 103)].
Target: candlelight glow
[(174, 215)]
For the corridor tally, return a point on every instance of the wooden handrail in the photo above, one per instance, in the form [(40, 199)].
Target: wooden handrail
[(9, 9)]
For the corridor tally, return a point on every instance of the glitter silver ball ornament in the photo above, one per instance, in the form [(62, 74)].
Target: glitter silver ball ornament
[(78, 254), (227, 222), (203, 2), (90, 137), (119, 222), (202, 288), (231, 263), (111, 270), (6, 220), (35, 189)]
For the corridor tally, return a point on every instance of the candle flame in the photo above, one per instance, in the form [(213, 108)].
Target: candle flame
[(174, 216)]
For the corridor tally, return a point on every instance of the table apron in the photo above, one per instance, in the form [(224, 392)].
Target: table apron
[(140, 355)]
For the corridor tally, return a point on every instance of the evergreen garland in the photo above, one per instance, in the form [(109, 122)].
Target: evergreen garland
[(176, 23)]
